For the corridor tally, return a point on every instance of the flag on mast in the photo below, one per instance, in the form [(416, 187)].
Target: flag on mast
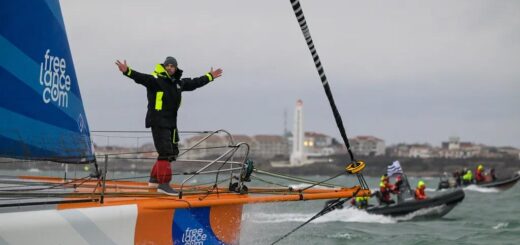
[(395, 168)]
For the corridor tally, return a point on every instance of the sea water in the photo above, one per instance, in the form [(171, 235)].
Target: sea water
[(485, 216)]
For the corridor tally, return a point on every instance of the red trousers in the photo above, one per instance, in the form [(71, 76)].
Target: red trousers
[(162, 171)]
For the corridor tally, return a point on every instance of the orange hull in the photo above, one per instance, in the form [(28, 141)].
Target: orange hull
[(203, 214)]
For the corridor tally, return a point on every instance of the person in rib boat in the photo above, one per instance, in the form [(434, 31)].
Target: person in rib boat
[(164, 87), (385, 188), (419, 191), (480, 175)]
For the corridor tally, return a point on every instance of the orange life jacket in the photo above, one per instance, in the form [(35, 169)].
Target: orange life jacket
[(419, 193)]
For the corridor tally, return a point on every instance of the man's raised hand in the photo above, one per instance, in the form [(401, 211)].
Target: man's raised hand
[(216, 73), (122, 66)]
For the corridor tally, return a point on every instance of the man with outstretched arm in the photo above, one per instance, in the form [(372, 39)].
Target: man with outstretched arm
[(164, 88)]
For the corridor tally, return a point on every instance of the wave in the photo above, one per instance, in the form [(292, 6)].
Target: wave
[(346, 236), (424, 212), (355, 215), (33, 170), (340, 215), (480, 189), (501, 225)]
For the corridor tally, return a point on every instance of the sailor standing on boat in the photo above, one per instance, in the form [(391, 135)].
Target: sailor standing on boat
[(164, 87)]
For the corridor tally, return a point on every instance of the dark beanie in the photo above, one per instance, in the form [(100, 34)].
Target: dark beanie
[(170, 60)]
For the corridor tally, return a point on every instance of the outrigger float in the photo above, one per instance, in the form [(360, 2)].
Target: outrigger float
[(43, 120)]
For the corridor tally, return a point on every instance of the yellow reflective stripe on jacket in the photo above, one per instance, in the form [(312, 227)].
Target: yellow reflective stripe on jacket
[(158, 100), (160, 71), (173, 137), (210, 77), (359, 199), (129, 71)]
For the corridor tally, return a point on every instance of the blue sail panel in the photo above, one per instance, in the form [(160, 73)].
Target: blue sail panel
[(41, 111)]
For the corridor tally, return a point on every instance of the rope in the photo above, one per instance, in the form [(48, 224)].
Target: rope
[(215, 185), (300, 17), (83, 180), (307, 35), (333, 177), (328, 208), (268, 182), (286, 177)]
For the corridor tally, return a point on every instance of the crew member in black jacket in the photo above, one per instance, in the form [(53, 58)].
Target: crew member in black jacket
[(164, 88)]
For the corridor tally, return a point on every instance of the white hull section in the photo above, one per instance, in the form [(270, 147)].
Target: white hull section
[(100, 225)]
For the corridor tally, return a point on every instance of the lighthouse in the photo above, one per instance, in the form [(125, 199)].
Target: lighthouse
[(297, 155)]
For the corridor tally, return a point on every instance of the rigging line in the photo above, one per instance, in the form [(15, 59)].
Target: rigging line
[(318, 183), (230, 155), (146, 131), (362, 181), (209, 191), (52, 159), (47, 203), (287, 177), (300, 17), (20, 160), (268, 182), (121, 137), (289, 190), (144, 152), (15, 184), (173, 174), (207, 184), (298, 11), (84, 179), (330, 207)]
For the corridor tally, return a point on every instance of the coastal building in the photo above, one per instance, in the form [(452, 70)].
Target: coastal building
[(508, 151), (454, 148), (270, 147), (212, 146), (117, 151), (421, 151), (317, 144), (412, 151), (399, 150), (261, 146), (367, 146)]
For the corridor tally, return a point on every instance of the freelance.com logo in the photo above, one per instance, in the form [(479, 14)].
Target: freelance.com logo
[(55, 80)]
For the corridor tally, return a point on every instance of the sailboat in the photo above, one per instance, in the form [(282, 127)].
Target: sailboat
[(43, 120)]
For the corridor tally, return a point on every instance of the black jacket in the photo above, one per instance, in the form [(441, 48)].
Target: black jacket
[(164, 93)]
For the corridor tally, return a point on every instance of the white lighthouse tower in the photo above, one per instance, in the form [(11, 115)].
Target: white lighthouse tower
[(298, 156)]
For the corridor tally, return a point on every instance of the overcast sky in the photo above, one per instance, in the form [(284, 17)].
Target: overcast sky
[(403, 71)]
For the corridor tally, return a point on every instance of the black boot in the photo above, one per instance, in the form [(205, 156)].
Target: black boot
[(166, 189)]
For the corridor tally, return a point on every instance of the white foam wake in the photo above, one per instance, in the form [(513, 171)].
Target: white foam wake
[(433, 211), (340, 215), (480, 189), (500, 225), (355, 215)]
